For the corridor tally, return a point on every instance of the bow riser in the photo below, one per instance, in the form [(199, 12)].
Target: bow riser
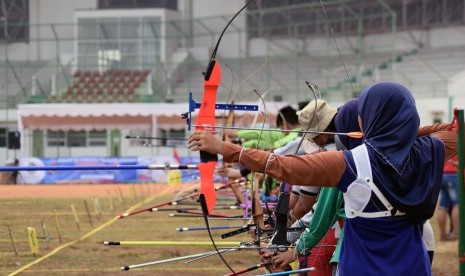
[(205, 121)]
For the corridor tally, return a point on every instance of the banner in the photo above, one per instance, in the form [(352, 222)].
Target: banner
[(102, 176)]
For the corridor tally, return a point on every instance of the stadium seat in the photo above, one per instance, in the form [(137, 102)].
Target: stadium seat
[(99, 98)]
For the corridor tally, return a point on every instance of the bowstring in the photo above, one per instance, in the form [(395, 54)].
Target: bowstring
[(337, 44)]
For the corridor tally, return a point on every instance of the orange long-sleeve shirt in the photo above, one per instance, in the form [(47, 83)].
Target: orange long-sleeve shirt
[(321, 169)]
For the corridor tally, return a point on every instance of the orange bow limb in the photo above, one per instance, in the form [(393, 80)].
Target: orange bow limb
[(205, 121), (207, 187)]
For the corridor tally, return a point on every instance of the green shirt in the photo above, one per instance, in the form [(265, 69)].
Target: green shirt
[(254, 140), (328, 209), (286, 139)]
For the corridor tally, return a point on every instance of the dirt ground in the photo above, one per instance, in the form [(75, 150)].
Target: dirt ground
[(72, 190), (445, 258), (81, 251)]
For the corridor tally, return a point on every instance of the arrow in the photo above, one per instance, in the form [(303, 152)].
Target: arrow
[(355, 134), (154, 138), (200, 214), (165, 261), (175, 202), (183, 229), (250, 268), (290, 272), (114, 167), (232, 207), (171, 243)]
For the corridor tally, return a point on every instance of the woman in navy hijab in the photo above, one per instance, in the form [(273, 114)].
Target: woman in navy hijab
[(407, 170), (390, 182)]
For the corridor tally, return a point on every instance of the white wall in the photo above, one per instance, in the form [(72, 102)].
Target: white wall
[(233, 44), (456, 85), (12, 154), (74, 151), (172, 33)]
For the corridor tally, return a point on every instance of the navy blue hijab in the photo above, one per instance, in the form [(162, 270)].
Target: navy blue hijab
[(347, 121), (406, 168)]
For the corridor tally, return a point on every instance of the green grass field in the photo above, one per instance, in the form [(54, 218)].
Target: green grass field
[(90, 257)]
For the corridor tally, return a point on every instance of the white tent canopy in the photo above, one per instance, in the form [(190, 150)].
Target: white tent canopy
[(144, 116), (94, 116)]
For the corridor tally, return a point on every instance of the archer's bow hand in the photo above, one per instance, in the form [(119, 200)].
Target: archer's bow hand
[(267, 254), (283, 259), (228, 172), (205, 141)]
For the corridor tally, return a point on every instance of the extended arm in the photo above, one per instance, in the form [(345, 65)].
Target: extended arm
[(322, 169), (445, 133)]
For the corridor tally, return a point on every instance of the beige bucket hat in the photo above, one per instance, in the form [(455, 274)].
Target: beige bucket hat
[(323, 116)]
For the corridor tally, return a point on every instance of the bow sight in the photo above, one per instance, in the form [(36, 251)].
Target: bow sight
[(193, 105)]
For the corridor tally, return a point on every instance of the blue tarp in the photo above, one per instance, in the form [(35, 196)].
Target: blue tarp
[(102, 176)]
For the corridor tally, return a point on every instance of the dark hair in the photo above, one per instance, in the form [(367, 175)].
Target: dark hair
[(302, 104), (332, 125), (287, 114)]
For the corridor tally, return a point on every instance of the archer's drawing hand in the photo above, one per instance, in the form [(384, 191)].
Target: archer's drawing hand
[(228, 172), (205, 141)]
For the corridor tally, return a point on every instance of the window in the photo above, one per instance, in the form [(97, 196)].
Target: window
[(173, 133), (3, 137), (76, 139), (56, 138), (140, 142), (118, 43), (14, 20), (97, 138), (137, 4), (109, 59)]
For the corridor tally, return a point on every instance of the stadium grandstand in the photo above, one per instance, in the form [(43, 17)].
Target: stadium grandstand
[(76, 82)]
